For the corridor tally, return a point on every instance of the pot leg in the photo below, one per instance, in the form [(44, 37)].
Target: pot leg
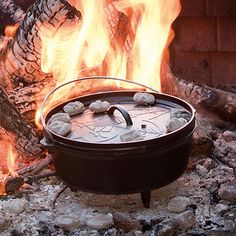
[(145, 197)]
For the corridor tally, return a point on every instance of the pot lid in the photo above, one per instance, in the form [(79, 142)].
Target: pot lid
[(115, 126)]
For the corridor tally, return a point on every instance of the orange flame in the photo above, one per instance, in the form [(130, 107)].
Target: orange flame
[(10, 30), (11, 157), (7, 163), (135, 53)]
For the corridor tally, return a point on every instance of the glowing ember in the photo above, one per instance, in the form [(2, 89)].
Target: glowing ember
[(94, 45), (7, 164), (10, 30)]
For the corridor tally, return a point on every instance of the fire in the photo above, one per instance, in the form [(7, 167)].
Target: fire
[(10, 30), (93, 44), (7, 163)]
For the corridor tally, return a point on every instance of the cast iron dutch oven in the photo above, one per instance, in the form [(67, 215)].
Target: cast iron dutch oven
[(97, 161)]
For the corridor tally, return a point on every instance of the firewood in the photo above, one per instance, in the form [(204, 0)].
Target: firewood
[(217, 101), (21, 60), (25, 136), (33, 165), (42, 164), (12, 10), (34, 178), (28, 99), (12, 184)]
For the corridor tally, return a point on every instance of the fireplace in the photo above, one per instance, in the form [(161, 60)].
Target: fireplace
[(204, 49), (198, 66)]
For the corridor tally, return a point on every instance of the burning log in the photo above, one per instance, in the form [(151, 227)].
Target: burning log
[(26, 137), (12, 184), (12, 10), (15, 179), (217, 101), (21, 60), (20, 66), (25, 99)]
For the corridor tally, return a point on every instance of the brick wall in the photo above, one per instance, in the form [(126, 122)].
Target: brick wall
[(204, 48)]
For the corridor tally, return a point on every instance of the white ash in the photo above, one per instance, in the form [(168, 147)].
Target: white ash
[(144, 99), (99, 106), (132, 135), (74, 108), (210, 209), (15, 206), (60, 127), (186, 219), (59, 117), (175, 123)]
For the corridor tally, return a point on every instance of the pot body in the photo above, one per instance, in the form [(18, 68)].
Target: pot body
[(129, 167), (121, 171)]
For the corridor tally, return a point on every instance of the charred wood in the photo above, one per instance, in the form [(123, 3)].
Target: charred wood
[(26, 99), (12, 184), (34, 178), (25, 136), (24, 4), (12, 10), (42, 164), (21, 60), (217, 101)]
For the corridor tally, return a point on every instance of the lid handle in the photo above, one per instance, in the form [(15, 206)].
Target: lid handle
[(124, 113)]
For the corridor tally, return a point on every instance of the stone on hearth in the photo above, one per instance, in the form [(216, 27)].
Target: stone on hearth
[(227, 191), (209, 164), (186, 219), (67, 222), (74, 108), (229, 136), (220, 209), (230, 220), (15, 206), (100, 221), (178, 204), (125, 222), (201, 170), (165, 228)]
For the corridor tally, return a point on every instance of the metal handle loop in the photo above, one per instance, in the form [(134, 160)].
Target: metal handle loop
[(124, 113)]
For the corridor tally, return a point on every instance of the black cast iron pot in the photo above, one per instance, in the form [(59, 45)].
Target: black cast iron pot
[(100, 163)]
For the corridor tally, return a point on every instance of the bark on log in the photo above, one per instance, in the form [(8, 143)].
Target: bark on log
[(217, 101), (20, 65), (21, 61), (12, 10), (25, 137), (26, 99)]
